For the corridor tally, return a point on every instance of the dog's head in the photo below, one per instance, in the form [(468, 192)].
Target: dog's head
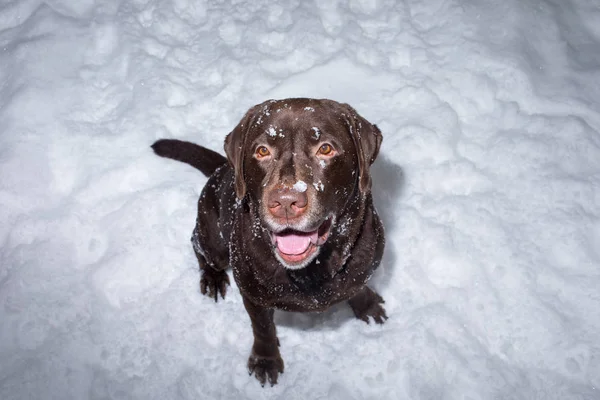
[(301, 161)]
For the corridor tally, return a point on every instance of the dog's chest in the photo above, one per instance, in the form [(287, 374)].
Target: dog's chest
[(292, 293), (267, 283)]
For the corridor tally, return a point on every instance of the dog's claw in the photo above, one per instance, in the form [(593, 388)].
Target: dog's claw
[(368, 304), (223, 287), (375, 310), (213, 283), (380, 317), (265, 369)]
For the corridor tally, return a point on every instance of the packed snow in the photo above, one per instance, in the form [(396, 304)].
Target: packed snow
[(488, 183)]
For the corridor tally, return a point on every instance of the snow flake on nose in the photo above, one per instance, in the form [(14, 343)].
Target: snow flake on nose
[(300, 186)]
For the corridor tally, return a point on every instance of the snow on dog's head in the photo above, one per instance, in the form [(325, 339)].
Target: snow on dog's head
[(302, 181)]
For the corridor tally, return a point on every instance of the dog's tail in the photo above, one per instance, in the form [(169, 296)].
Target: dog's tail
[(201, 158)]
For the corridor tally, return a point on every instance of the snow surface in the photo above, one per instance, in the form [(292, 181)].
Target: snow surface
[(488, 182)]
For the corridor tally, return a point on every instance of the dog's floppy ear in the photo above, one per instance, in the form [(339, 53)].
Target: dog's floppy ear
[(367, 140), (234, 148)]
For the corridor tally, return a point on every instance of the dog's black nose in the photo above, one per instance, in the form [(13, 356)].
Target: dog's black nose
[(287, 203)]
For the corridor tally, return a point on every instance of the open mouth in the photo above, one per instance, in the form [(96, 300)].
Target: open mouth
[(296, 247)]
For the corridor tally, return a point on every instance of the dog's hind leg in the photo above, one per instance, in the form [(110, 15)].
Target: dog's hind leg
[(213, 281)]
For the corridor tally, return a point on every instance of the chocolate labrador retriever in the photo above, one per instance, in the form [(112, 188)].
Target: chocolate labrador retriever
[(290, 210)]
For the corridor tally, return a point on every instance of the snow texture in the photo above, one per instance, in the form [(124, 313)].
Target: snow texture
[(488, 182), (300, 186)]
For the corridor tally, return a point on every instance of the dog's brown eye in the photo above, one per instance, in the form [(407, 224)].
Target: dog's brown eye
[(262, 151), (326, 149)]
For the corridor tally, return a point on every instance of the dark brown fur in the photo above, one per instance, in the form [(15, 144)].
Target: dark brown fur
[(233, 223)]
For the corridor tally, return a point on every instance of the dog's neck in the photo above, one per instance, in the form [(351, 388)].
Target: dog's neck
[(346, 232)]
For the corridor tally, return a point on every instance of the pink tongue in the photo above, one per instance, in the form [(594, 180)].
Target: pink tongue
[(294, 244)]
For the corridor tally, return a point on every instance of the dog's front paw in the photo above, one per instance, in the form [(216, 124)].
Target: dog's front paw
[(375, 310), (265, 368), (213, 283), (367, 304)]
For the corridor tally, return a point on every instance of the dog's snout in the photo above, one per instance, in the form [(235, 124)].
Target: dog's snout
[(287, 203)]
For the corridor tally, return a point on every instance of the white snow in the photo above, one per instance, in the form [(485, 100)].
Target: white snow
[(316, 132), (300, 186), (488, 182)]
